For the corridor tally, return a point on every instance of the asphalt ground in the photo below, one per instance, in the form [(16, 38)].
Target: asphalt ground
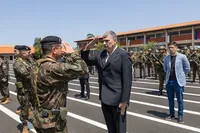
[(145, 115)]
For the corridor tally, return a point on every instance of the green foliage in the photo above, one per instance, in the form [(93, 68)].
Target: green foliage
[(119, 45), (38, 50), (99, 46), (150, 45), (89, 35)]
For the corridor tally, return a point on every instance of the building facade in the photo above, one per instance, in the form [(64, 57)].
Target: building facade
[(187, 33), (8, 52)]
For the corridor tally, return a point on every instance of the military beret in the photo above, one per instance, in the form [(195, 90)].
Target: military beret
[(17, 47), (24, 47), (51, 40)]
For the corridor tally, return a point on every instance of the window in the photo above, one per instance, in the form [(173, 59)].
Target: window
[(185, 32), (131, 38), (160, 35), (122, 39), (151, 36), (140, 37), (173, 33), (11, 57)]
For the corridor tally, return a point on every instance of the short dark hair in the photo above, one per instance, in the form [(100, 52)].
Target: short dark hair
[(46, 49), (172, 43)]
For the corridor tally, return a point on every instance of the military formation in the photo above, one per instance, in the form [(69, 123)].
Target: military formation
[(150, 64), (42, 85)]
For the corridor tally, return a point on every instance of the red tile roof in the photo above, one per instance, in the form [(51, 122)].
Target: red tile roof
[(6, 49), (171, 26)]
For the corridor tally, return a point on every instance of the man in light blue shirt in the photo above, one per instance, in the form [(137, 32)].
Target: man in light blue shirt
[(176, 66)]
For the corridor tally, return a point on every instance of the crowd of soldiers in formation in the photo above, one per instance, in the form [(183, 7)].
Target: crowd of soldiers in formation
[(153, 60)]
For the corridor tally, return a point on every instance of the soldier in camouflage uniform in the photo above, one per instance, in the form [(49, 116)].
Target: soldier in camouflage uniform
[(195, 61), (149, 61), (134, 60), (22, 67), (48, 79), (4, 68), (141, 62), (154, 63), (186, 52), (160, 68)]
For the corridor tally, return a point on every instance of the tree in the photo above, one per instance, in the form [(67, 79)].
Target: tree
[(150, 45), (37, 46), (99, 46), (119, 45), (89, 35)]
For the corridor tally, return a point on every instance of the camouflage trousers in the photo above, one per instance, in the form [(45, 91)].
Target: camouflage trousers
[(23, 99), (4, 89), (60, 128), (161, 80)]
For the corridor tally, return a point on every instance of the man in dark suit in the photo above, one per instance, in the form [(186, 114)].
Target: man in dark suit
[(115, 80)]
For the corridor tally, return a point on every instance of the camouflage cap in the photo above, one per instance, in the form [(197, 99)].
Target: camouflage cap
[(185, 48), (149, 49), (162, 48), (193, 49)]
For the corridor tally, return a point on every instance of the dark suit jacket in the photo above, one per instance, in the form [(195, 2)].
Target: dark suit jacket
[(115, 76)]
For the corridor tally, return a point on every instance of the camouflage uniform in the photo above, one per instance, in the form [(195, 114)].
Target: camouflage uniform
[(23, 83), (160, 69), (134, 60), (50, 94), (4, 68), (141, 62), (186, 52), (149, 62), (195, 60)]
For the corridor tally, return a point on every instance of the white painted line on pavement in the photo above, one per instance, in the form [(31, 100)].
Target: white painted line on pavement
[(142, 94), (153, 83), (145, 117), (78, 117), (141, 88), (15, 117), (146, 103), (141, 116)]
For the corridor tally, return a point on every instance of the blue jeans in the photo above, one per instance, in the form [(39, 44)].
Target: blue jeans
[(173, 87)]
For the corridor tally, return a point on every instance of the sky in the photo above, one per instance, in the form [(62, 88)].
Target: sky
[(23, 20)]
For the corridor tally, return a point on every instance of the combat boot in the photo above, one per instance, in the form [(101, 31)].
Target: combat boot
[(18, 112), (25, 129), (6, 101), (3, 99)]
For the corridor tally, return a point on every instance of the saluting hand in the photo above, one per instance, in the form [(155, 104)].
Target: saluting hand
[(92, 43), (66, 48)]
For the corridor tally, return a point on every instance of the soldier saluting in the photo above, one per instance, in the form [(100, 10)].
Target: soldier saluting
[(48, 79)]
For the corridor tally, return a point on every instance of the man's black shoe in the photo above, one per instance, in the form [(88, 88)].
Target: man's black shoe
[(180, 120), (79, 96), (170, 117), (87, 97)]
